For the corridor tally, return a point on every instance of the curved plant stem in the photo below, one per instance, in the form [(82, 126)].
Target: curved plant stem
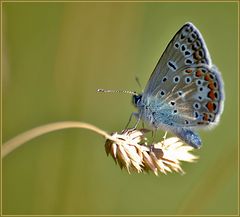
[(19, 140)]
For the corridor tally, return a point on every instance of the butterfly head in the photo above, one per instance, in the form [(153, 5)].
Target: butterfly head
[(136, 99)]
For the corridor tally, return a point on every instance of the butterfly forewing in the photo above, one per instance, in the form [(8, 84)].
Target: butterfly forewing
[(185, 49)]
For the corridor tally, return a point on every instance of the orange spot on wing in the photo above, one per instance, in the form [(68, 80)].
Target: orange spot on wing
[(210, 106), (207, 77), (205, 117), (199, 73), (211, 86), (211, 95), (188, 70)]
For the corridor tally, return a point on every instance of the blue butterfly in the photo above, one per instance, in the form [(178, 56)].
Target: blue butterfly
[(185, 91)]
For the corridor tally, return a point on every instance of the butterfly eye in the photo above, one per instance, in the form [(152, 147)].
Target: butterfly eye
[(136, 99)]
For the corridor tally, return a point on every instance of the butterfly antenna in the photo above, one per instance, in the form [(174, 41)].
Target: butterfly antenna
[(138, 82), (116, 91)]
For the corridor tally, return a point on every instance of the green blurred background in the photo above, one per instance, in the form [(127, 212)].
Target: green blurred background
[(55, 56)]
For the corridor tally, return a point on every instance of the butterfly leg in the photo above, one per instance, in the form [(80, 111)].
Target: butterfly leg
[(129, 120), (138, 120), (154, 133), (165, 135)]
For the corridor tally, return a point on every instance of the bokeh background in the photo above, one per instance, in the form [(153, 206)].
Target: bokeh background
[(55, 56)]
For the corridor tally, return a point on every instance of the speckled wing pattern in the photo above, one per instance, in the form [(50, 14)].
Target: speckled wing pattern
[(187, 85)]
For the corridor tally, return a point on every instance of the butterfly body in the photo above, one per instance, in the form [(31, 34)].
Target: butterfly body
[(160, 116), (185, 91)]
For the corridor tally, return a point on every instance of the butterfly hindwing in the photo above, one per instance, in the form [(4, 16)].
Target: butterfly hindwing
[(195, 100)]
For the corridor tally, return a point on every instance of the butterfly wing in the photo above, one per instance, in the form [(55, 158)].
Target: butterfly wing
[(195, 98), (186, 48), (188, 89)]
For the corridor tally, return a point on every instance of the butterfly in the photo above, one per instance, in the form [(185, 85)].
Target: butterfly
[(185, 92)]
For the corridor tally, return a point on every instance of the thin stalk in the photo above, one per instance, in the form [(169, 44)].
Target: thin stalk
[(22, 138)]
